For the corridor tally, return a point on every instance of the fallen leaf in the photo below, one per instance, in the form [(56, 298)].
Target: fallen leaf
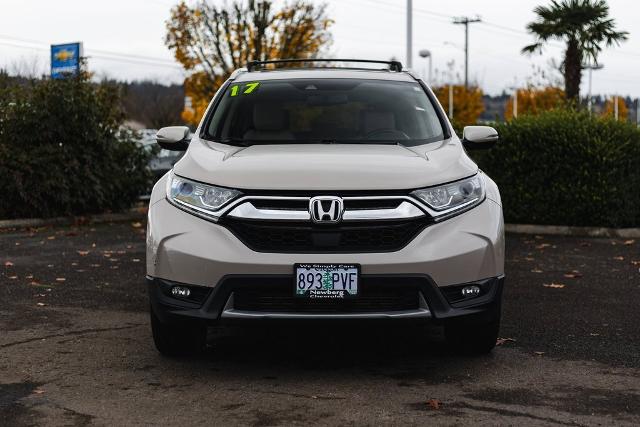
[(553, 285), (628, 242), (80, 271), (635, 262), (40, 304), (74, 264), (594, 334), (618, 258), (17, 243), (13, 277), (528, 258), (8, 264), (536, 270), (434, 404), (539, 237), (121, 252), (136, 224), (129, 246), (573, 274), (60, 279), (539, 353), (30, 276), (51, 238), (543, 245), (501, 341), (49, 265), (135, 260), (83, 253)]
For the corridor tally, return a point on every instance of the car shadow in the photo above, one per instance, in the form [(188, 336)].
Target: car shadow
[(400, 352)]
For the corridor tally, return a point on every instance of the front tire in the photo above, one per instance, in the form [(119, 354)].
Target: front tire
[(181, 339), (471, 338)]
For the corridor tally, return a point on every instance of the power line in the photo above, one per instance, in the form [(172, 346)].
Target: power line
[(102, 54)]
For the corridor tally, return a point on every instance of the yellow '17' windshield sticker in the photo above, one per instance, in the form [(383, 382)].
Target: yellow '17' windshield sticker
[(247, 88)]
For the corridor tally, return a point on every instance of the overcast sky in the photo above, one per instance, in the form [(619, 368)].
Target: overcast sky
[(124, 38)]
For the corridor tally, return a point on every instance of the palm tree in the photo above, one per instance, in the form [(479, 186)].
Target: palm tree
[(584, 25)]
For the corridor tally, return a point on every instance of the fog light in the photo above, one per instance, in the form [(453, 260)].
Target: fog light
[(180, 291), (469, 291)]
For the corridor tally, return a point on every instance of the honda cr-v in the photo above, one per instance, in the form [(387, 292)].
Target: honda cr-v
[(325, 193)]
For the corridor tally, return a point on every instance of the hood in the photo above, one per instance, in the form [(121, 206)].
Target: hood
[(325, 166)]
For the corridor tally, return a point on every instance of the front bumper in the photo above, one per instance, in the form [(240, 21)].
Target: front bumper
[(431, 301), (187, 249)]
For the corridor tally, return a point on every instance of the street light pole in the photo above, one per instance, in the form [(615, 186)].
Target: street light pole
[(425, 53), (409, 33), (591, 67)]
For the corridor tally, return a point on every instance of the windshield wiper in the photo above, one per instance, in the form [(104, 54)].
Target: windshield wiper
[(356, 141)]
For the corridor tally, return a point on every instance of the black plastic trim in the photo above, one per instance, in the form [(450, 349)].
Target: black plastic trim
[(484, 308)]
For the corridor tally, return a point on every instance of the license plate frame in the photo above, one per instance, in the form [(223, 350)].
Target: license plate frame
[(350, 285)]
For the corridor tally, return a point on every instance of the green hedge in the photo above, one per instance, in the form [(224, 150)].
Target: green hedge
[(62, 151), (565, 167)]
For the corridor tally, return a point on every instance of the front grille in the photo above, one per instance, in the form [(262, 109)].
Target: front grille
[(306, 237), (280, 299)]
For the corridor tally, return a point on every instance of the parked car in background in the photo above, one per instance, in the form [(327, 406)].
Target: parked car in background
[(162, 160)]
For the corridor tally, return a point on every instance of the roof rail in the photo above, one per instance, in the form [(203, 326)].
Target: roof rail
[(256, 65)]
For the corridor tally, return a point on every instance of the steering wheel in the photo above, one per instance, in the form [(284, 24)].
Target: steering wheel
[(392, 134)]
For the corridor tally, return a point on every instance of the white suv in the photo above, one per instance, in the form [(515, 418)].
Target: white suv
[(325, 193)]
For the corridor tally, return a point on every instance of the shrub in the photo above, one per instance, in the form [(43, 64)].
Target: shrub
[(61, 150), (566, 167)]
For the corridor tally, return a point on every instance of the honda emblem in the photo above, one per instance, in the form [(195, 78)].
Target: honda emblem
[(326, 209)]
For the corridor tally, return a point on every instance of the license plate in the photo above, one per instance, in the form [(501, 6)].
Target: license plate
[(326, 281)]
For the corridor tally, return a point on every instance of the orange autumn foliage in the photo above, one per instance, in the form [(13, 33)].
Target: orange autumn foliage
[(467, 103), (211, 41), (609, 110), (536, 100)]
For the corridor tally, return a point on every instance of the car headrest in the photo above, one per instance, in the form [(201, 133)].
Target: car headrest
[(374, 120), (269, 117)]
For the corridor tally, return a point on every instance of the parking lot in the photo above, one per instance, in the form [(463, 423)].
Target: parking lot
[(76, 349)]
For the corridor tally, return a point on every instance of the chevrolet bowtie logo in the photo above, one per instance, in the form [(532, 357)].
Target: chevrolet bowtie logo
[(64, 55), (326, 209)]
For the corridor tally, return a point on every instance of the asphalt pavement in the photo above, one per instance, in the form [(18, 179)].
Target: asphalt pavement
[(76, 349)]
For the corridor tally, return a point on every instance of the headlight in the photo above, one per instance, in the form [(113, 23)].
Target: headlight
[(195, 195), (455, 196)]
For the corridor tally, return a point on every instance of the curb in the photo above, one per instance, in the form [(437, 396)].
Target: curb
[(133, 214), (563, 230)]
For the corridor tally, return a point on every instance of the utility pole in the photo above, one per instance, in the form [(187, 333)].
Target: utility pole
[(409, 33), (466, 21)]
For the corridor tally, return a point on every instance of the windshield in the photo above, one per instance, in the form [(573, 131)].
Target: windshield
[(324, 111)]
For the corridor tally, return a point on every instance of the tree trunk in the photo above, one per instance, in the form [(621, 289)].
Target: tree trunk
[(572, 71)]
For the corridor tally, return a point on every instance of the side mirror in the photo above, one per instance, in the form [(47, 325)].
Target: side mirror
[(479, 137), (174, 138)]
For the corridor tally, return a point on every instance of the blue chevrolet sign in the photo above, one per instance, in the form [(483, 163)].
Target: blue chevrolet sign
[(65, 59)]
